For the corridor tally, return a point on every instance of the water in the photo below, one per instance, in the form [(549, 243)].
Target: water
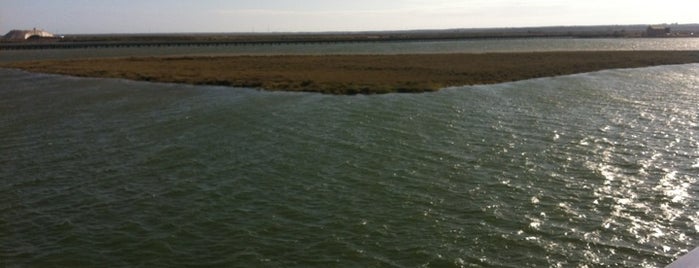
[(456, 46), (594, 169), (587, 170)]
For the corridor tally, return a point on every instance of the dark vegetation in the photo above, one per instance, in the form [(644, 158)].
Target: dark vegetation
[(357, 74)]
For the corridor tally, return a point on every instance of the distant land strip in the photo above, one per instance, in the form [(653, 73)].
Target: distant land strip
[(81, 41), (357, 74)]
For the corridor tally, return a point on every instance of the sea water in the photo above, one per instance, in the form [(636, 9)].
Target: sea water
[(401, 47), (596, 169)]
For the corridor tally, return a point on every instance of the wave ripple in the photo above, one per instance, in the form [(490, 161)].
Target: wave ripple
[(595, 169)]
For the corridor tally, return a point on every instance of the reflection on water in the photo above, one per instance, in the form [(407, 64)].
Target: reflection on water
[(457, 46), (585, 170)]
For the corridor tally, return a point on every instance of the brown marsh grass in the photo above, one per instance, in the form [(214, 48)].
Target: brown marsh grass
[(353, 74)]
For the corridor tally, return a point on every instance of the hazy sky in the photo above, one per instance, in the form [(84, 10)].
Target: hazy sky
[(150, 16)]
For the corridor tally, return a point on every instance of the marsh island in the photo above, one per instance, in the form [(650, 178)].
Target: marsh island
[(356, 74)]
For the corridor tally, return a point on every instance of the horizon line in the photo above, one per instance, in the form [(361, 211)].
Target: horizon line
[(370, 31)]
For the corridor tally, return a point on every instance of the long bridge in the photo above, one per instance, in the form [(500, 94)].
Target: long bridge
[(125, 44)]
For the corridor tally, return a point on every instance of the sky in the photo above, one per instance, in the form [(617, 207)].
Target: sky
[(184, 16)]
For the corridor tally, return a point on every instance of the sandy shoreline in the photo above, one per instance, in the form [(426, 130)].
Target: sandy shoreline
[(352, 74)]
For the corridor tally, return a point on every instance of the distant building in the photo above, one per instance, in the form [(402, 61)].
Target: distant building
[(657, 31), (21, 35)]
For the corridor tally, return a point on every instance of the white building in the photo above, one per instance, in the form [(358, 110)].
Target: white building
[(20, 35)]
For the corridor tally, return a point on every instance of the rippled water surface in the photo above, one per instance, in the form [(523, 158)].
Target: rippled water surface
[(594, 169), (455, 46)]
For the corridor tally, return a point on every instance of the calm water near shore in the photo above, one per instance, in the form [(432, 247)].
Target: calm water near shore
[(458, 46), (596, 169)]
